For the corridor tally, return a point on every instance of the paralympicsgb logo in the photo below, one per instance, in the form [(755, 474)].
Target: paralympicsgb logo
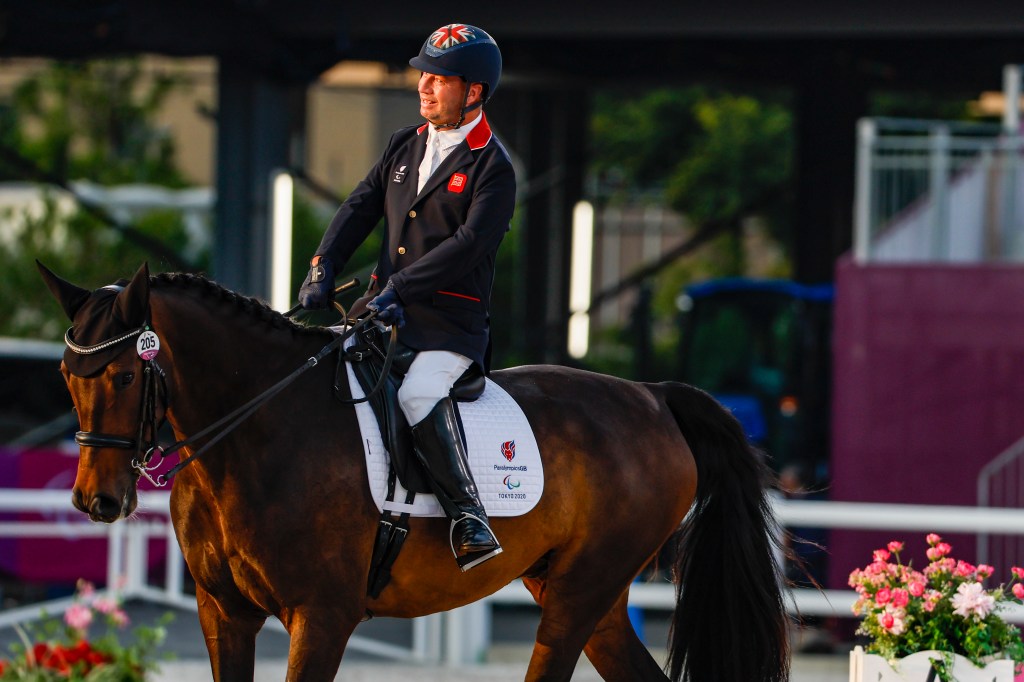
[(508, 449)]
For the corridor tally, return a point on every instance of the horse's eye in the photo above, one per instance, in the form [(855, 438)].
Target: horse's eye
[(126, 379)]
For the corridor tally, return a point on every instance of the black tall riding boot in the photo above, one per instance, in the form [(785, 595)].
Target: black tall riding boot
[(439, 447)]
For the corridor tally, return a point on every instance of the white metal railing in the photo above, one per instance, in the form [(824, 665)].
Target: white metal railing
[(463, 635), (810, 514), (127, 563), (1001, 484), (938, 191)]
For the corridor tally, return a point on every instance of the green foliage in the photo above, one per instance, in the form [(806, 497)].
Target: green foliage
[(77, 247), (711, 155), (73, 120), (55, 651), (94, 119), (638, 141), (718, 158), (740, 164), (920, 105)]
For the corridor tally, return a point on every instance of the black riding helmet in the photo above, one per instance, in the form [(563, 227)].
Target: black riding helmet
[(464, 51)]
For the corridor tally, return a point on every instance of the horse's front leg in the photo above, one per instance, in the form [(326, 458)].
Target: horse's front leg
[(319, 634), (230, 637)]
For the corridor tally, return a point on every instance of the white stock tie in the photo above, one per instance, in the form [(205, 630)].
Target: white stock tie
[(430, 162)]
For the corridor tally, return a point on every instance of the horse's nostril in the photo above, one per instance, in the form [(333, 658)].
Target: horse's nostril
[(104, 507), (77, 502)]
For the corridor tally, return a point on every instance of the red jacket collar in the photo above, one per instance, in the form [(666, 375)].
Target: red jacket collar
[(478, 137)]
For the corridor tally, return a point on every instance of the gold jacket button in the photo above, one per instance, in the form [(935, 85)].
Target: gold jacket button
[(401, 250), (412, 214)]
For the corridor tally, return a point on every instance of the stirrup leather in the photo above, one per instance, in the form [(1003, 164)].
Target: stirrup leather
[(468, 561)]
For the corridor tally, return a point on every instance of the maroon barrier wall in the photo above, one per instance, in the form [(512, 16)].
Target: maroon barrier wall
[(928, 387)]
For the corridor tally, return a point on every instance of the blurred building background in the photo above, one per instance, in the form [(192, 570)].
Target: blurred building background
[(869, 150)]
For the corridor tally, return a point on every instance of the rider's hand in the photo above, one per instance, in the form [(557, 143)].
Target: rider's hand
[(389, 307), (318, 288)]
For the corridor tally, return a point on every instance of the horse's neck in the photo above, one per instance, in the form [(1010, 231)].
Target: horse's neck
[(218, 359)]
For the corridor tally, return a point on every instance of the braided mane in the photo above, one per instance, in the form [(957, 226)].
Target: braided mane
[(253, 307)]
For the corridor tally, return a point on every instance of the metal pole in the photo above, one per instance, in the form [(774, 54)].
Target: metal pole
[(175, 584), (115, 555), (1011, 98), (938, 182), (280, 258), (867, 132)]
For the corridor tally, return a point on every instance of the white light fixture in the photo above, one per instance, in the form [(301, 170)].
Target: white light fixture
[(283, 191), (580, 276)]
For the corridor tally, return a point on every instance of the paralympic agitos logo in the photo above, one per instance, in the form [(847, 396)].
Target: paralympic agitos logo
[(509, 483)]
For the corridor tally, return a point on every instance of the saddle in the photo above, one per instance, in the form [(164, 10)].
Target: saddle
[(368, 357)]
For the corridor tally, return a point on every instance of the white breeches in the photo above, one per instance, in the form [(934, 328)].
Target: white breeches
[(430, 378)]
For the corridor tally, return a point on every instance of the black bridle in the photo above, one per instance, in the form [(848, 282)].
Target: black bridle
[(154, 390)]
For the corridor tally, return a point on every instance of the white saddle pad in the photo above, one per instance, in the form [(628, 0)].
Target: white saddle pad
[(503, 455)]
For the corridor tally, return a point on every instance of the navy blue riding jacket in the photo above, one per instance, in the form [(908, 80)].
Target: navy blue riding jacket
[(440, 245)]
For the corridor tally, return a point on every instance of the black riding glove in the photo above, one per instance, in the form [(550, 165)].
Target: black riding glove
[(318, 288), (389, 307)]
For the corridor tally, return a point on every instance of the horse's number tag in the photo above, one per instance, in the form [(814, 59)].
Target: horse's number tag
[(148, 345)]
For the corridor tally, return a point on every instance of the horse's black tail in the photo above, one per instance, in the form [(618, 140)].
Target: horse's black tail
[(730, 623)]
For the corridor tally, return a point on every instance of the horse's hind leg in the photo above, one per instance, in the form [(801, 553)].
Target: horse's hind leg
[(584, 611), (616, 651), (560, 637)]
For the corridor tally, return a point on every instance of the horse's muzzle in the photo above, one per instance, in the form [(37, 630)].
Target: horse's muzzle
[(101, 507)]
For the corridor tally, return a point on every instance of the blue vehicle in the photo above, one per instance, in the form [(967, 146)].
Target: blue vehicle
[(763, 349)]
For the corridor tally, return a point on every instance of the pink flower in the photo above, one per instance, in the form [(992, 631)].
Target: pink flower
[(105, 605), (964, 569), (985, 571), (1018, 591), (900, 598), (933, 539), (85, 589), (883, 596), (881, 556), (893, 620), (938, 551), (78, 616), (916, 588), (119, 618), (895, 547), (1018, 572), (972, 600)]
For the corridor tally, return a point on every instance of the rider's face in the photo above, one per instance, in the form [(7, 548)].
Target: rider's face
[(442, 97)]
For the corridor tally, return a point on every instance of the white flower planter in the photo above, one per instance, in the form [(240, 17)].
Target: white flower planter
[(916, 667)]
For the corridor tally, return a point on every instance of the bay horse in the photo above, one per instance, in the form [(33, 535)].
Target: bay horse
[(277, 519)]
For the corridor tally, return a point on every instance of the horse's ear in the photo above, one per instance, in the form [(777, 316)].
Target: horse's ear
[(132, 304), (67, 294)]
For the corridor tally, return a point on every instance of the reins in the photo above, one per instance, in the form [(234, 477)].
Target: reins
[(234, 419), (227, 423)]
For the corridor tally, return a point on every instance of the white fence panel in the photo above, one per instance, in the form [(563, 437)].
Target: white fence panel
[(462, 635)]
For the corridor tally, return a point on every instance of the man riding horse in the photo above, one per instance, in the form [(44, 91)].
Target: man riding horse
[(446, 190)]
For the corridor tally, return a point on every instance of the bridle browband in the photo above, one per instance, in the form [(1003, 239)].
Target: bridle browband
[(154, 390)]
